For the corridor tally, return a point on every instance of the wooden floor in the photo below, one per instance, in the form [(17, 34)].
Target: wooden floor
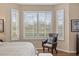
[(60, 53)]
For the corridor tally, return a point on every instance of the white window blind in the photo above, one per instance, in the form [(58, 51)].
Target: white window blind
[(37, 25), (14, 24), (60, 24)]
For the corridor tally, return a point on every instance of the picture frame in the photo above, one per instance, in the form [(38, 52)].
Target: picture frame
[(1, 25), (75, 25)]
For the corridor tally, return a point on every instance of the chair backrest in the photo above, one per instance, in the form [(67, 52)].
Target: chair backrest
[(54, 35)]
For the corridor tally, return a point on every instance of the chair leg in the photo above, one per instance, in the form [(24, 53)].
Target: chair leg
[(52, 50), (43, 49), (48, 49), (56, 50)]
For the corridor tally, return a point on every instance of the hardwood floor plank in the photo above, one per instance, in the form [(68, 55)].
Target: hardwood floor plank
[(60, 53)]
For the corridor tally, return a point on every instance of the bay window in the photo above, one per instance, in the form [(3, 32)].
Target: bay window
[(14, 24), (60, 24), (36, 24)]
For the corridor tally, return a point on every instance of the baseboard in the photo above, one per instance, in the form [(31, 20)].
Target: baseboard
[(62, 50), (40, 48), (66, 51)]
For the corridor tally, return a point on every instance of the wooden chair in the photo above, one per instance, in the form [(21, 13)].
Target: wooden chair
[(53, 44)]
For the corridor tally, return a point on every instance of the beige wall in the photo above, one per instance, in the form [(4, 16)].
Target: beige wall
[(71, 12), (5, 14), (74, 14), (51, 8), (64, 44)]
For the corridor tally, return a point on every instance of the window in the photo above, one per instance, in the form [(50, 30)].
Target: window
[(14, 24), (60, 24), (37, 24)]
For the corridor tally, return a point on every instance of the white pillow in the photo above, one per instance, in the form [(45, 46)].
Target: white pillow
[(50, 39)]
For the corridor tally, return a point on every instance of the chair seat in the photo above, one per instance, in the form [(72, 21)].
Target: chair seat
[(48, 45)]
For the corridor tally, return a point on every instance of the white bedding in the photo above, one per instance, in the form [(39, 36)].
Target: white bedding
[(17, 49)]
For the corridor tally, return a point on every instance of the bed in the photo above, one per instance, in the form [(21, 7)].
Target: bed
[(17, 49)]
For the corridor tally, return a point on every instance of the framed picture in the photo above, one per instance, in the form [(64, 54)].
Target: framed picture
[(75, 25), (1, 25)]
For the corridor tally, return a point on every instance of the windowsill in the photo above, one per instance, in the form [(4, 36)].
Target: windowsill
[(42, 38), (35, 38), (60, 39)]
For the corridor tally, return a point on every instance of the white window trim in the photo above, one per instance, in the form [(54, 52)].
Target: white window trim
[(11, 24), (60, 38), (37, 37)]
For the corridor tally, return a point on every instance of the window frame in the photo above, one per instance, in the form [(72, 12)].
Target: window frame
[(59, 10), (17, 12), (37, 24)]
